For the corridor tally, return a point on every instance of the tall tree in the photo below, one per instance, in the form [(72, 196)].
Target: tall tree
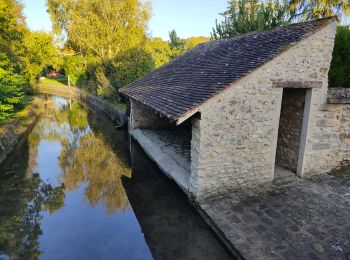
[(160, 50), (176, 44), (243, 16), (339, 73), (41, 53), (101, 27), (13, 65), (303, 10), (12, 31), (194, 41)]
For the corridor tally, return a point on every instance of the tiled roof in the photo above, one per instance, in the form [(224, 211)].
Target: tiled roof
[(189, 80)]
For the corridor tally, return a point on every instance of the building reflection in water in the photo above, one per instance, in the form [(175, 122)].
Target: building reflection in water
[(172, 228)]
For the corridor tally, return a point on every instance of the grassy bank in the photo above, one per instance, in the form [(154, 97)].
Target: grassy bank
[(62, 83)]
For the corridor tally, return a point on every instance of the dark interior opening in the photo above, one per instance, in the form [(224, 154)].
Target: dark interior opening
[(290, 127)]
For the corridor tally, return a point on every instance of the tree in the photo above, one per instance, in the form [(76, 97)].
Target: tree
[(339, 73), (41, 53), (12, 87), (160, 51), (129, 66), (303, 10), (101, 27), (194, 41), (176, 44), (243, 16), (12, 30)]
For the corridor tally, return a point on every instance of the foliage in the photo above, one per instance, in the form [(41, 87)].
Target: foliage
[(194, 41), (243, 16), (12, 87), (177, 44), (129, 66), (77, 116), (339, 73), (104, 86), (100, 27), (12, 30), (160, 51), (303, 10), (13, 63), (76, 66), (41, 53), (163, 51), (90, 160), (23, 196)]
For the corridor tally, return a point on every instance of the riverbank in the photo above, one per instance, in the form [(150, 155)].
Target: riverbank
[(17, 127), (115, 112)]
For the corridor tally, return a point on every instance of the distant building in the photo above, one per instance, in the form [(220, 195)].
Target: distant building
[(228, 113)]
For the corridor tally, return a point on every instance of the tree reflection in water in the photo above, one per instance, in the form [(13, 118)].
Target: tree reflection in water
[(89, 159), (86, 157), (23, 198)]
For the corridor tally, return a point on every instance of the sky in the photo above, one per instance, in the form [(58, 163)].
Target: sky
[(187, 17)]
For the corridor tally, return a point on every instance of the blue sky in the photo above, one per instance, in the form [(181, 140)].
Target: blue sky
[(187, 17)]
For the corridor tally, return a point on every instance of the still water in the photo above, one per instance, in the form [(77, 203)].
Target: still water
[(73, 190)]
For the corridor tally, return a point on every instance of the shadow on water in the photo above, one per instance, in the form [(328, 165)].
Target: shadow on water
[(173, 230), (69, 191)]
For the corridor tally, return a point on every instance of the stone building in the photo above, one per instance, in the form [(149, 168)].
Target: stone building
[(232, 113)]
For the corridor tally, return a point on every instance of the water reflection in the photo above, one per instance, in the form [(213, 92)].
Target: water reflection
[(84, 155), (88, 159), (65, 193)]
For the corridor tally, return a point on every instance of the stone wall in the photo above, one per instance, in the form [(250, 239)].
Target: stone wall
[(290, 126), (234, 143), (144, 117), (330, 146)]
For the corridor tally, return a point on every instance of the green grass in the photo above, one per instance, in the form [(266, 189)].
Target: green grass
[(63, 82), (54, 82)]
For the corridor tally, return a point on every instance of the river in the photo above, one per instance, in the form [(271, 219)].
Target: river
[(76, 188)]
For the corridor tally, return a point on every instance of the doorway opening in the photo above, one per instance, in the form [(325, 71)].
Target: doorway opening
[(290, 129)]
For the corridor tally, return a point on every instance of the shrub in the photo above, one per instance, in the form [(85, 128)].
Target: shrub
[(12, 86), (339, 73), (129, 66), (76, 68)]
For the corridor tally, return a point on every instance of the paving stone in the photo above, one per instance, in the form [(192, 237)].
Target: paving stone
[(313, 256), (293, 228), (318, 247), (316, 233), (235, 219), (303, 219), (260, 228), (272, 213)]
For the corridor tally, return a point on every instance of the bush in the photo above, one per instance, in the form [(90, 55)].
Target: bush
[(12, 86), (339, 73), (129, 66), (104, 78), (76, 68)]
